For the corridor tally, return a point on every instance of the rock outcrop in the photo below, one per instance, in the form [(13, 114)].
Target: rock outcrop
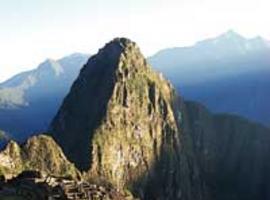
[(121, 122), (39, 153)]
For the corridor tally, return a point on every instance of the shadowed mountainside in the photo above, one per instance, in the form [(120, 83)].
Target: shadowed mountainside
[(32, 98), (228, 73), (233, 154)]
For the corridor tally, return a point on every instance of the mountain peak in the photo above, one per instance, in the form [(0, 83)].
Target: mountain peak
[(123, 42), (228, 39), (119, 45), (123, 116), (48, 61), (230, 44), (50, 65), (120, 54), (259, 42), (231, 34), (118, 62)]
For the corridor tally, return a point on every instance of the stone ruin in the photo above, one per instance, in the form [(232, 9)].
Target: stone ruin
[(32, 185)]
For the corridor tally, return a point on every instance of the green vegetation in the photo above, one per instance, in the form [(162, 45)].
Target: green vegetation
[(128, 128), (39, 153)]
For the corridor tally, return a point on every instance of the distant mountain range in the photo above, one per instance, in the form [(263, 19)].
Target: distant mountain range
[(228, 73), (124, 125), (29, 100)]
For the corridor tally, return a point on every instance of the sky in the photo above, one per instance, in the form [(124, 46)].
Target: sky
[(33, 30)]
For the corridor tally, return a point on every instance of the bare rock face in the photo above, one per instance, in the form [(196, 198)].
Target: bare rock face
[(121, 123), (39, 153)]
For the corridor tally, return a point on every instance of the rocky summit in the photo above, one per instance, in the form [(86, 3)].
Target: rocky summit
[(121, 122), (39, 153)]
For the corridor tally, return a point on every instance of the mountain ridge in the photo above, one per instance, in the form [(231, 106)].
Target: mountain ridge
[(124, 124), (129, 132), (231, 74), (32, 98), (232, 153), (15, 104)]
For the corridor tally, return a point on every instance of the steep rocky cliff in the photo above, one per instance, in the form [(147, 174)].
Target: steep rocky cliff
[(233, 154), (39, 153), (121, 122)]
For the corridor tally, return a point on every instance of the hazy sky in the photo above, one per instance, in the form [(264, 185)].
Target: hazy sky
[(32, 30)]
